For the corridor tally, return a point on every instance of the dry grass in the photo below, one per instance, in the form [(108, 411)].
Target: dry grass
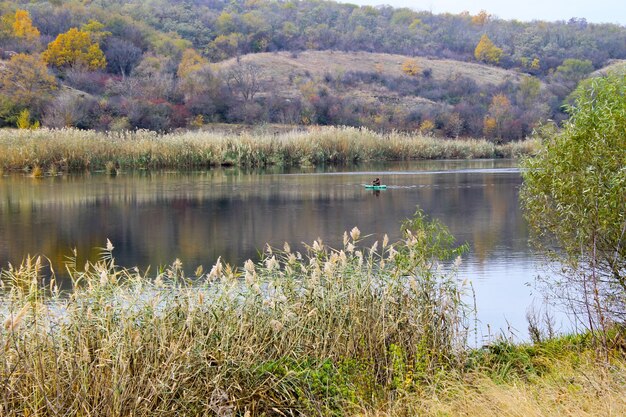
[(588, 389), (70, 150), (615, 66), (279, 66), (291, 335), (284, 73), (373, 331)]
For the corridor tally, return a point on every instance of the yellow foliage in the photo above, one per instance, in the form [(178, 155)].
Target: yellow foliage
[(427, 127), (486, 51), (25, 80), (489, 126), (197, 122), (96, 30), (74, 47), (225, 23), (23, 121), (225, 46), (23, 26), (481, 18), (535, 64), (500, 105), (410, 67), (190, 62)]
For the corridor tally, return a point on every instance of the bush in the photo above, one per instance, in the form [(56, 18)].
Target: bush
[(574, 196)]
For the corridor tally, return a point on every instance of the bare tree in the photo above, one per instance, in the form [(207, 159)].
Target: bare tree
[(244, 78)]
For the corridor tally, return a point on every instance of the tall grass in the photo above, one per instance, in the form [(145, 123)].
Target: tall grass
[(315, 334), (77, 150), (372, 331)]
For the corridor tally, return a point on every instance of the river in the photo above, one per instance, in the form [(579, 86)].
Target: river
[(152, 218)]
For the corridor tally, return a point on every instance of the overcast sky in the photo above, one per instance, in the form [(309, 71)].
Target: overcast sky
[(597, 11)]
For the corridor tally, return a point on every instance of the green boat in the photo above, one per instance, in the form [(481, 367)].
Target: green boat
[(375, 187)]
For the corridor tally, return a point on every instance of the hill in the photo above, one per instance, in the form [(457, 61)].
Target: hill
[(282, 65), (168, 64), (616, 65), (377, 81)]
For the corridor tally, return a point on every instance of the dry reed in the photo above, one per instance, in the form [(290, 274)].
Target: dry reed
[(72, 150), (293, 334)]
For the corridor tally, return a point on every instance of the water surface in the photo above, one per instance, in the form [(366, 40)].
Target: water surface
[(154, 218)]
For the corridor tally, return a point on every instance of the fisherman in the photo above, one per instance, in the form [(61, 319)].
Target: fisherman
[(376, 182)]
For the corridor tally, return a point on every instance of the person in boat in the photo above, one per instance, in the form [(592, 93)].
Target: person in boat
[(376, 182)]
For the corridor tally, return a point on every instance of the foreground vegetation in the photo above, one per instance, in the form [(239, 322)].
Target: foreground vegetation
[(354, 331), (69, 150), (574, 197)]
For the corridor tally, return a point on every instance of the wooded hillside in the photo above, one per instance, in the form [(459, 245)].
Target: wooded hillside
[(116, 64)]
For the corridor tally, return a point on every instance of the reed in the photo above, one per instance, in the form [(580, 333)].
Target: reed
[(73, 150), (372, 331), (316, 333)]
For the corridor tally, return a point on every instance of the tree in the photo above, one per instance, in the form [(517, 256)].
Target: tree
[(572, 71), (244, 78), (225, 46), (96, 31), (121, 56), (494, 124), (481, 18), (410, 67), (486, 51), (574, 196), (25, 84), (75, 48), (23, 27), (190, 62)]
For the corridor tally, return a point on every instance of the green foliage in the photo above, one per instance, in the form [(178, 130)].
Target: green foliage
[(574, 196), (573, 70)]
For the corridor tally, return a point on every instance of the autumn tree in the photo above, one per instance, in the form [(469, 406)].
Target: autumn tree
[(499, 113), (481, 18), (96, 31), (487, 52), (75, 48), (190, 62), (23, 27), (410, 67), (225, 46), (24, 84)]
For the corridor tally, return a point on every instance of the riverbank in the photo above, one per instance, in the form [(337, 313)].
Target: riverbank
[(373, 331), (46, 151)]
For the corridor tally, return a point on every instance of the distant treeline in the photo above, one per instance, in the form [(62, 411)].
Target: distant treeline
[(112, 65)]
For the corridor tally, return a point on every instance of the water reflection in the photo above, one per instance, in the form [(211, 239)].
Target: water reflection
[(154, 218)]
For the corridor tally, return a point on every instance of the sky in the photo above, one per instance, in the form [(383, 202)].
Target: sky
[(596, 11)]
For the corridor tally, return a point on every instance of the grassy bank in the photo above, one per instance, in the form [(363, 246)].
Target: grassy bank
[(71, 150), (353, 331)]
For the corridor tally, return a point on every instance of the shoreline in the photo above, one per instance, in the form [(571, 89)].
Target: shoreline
[(45, 151)]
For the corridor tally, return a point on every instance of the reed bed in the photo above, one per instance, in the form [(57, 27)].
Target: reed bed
[(319, 333), (72, 150), (371, 331)]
